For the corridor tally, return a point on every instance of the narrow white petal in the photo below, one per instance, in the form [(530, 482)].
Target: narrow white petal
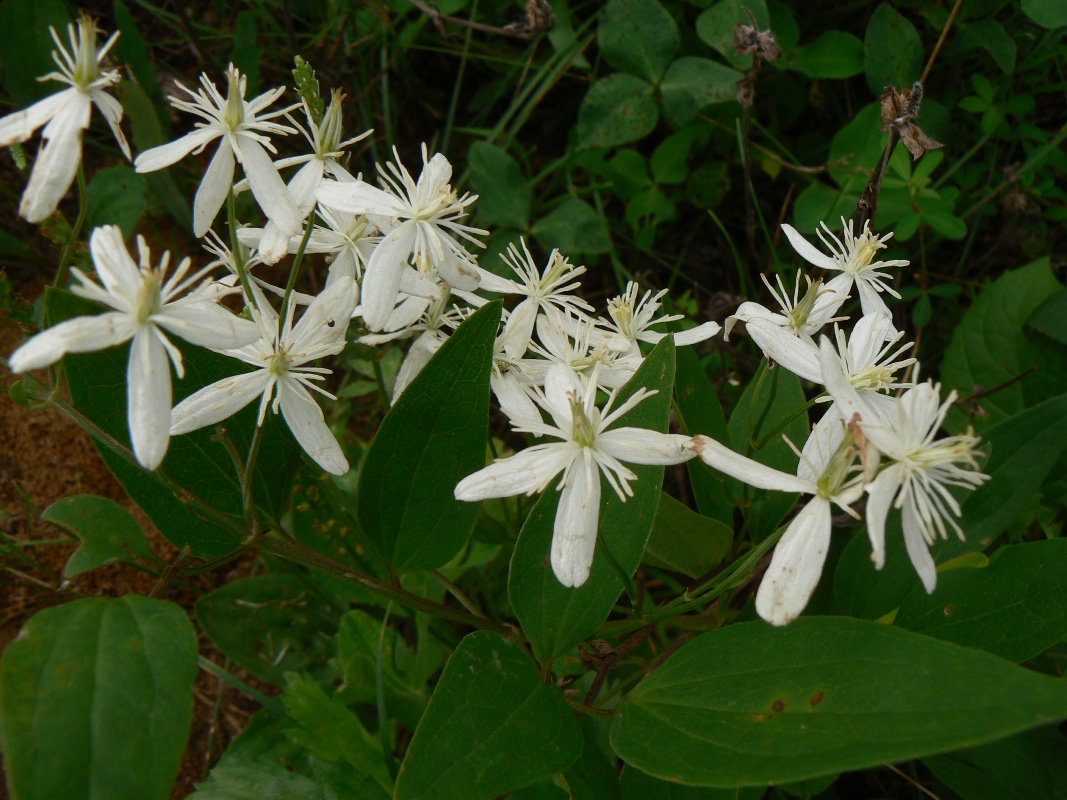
[(418, 356), (518, 330), (807, 250), (111, 111), (273, 243), (821, 446), (513, 400), (217, 402), (882, 491), (918, 551), (796, 565), (780, 346), (207, 324), (57, 161), (523, 473), (303, 185), (214, 188), (575, 530), (458, 272), (849, 402), (491, 282), (745, 469), (116, 268), (381, 283), (642, 446), (18, 127), (358, 198), (698, 334), (304, 418), (321, 329), (171, 153), (269, 189), (562, 385), (148, 398), (78, 335)]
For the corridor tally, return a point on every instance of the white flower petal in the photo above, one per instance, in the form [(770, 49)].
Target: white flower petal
[(458, 272), (698, 334), (513, 400), (418, 356), (117, 270), (642, 446), (57, 160), (523, 473), (807, 250), (172, 152), (18, 127), (111, 111), (321, 329), (148, 398), (78, 335), (745, 469), (214, 188), (218, 401), (381, 283), (918, 550), (796, 565), (780, 346), (491, 282), (358, 198), (849, 402), (882, 491), (562, 385), (304, 418), (518, 330), (269, 189), (207, 324), (575, 529)]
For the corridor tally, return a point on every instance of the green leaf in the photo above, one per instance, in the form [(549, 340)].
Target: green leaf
[(684, 541), (432, 437), (269, 625), (116, 197), (854, 151), (1016, 607), (134, 51), (750, 704), (1051, 317), (595, 775), (636, 785), (773, 397), (638, 37), (330, 731), (716, 27), (991, 35), (893, 50), (491, 727), (573, 227), (554, 617), (26, 48), (247, 52), (503, 194), (835, 54), (108, 532), (1046, 13), (616, 110), (198, 465), (990, 347), (699, 411), (692, 83), (97, 700), (1020, 767), (862, 591)]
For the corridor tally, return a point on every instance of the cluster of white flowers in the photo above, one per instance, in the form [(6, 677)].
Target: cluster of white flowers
[(399, 262), (843, 457)]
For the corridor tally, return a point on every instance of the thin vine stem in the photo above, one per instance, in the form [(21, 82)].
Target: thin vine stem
[(75, 232)]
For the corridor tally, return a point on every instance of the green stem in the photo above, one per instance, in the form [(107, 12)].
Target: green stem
[(785, 422), (458, 593), (294, 273), (214, 669), (83, 210), (298, 553), (235, 248)]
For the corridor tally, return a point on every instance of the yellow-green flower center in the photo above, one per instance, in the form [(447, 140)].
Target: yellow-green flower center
[(583, 429)]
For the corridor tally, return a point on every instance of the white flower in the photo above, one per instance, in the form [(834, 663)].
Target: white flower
[(800, 316), (586, 445), (826, 472), (419, 219), (631, 320), (868, 357), (242, 128), (145, 305), (576, 342), (921, 470), (854, 259), (280, 359), (552, 289), (65, 115)]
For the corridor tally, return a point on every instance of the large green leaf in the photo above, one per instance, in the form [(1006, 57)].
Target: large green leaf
[(893, 51), (573, 227), (199, 466), (835, 54), (990, 347), (491, 727), (97, 700), (1021, 767), (692, 83), (751, 704), (431, 439), (116, 197), (767, 411), (26, 48), (269, 625), (108, 532), (616, 110), (1016, 607), (636, 785), (685, 541), (638, 37), (503, 193), (554, 617), (1046, 13)]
